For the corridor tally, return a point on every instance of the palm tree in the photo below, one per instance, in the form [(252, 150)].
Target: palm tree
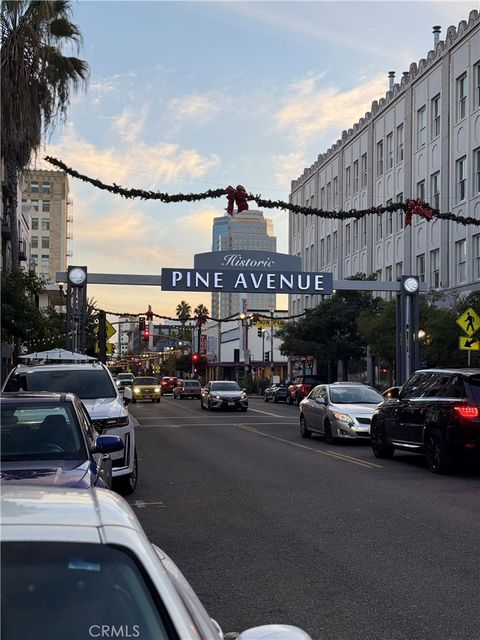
[(37, 81), (201, 316), (184, 313)]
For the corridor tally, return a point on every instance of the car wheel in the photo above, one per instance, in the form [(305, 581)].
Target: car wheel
[(289, 400), (275, 399), (436, 451), (265, 399), (244, 408), (127, 484), (209, 405), (327, 430), (304, 431), (380, 447), (297, 400)]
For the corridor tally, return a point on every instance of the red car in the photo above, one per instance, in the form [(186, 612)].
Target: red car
[(301, 387), (168, 384)]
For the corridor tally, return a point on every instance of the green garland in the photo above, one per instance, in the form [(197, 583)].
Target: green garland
[(266, 204), (236, 316)]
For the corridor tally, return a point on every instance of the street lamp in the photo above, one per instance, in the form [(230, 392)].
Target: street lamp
[(247, 322)]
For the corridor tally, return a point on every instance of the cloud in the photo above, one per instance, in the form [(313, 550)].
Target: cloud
[(286, 166), (310, 111), (103, 88), (198, 108)]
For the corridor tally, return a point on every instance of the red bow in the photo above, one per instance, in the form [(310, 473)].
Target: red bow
[(239, 197), (418, 207)]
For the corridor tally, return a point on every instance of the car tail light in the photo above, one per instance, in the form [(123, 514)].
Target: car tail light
[(467, 411)]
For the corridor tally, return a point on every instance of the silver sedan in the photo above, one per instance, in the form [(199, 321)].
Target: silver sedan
[(341, 410)]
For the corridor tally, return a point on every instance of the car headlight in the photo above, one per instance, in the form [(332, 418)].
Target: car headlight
[(136, 390), (344, 417), (108, 423), (217, 397), (243, 396), (157, 389)]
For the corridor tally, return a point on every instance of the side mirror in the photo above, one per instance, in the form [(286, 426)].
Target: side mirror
[(127, 395), (392, 393), (277, 631), (108, 444), (321, 401)]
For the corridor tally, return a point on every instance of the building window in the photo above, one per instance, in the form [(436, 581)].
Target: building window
[(476, 257), (363, 231), (379, 227), (389, 151), (322, 252), (355, 235), (329, 196), (476, 170), (45, 187), (380, 158), (421, 189), (34, 242), (435, 268), (460, 261), (364, 170), (348, 239), (421, 127), (335, 245), (335, 193), (476, 80), (355, 177), (378, 274), (45, 242), (34, 224), (461, 97), (34, 204), (460, 173), (435, 190), (329, 249), (44, 262), (389, 220), (399, 148), (388, 274), (322, 198), (45, 224), (34, 186), (46, 206), (34, 260), (348, 185), (398, 270), (421, 267), (435, 114)]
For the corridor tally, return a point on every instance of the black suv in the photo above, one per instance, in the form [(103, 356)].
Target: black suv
[(436, 413)]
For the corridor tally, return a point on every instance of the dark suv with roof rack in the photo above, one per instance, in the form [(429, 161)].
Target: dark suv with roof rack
[(435, 413)]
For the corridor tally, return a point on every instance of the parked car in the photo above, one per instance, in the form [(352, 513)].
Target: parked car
[(124, 380), (435, 413), (145, 388), (168, 384), (223, 394), (94, 385), (276, 392), (342, 410), (301, 387), (187, 389), (48, 439), (77, 564)]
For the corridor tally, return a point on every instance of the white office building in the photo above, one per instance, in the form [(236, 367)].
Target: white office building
[(422, 140)]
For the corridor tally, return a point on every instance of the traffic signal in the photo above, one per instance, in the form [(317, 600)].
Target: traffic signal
[(267, 356), (259, 332), (141, 323), (145, 334), (195, 358)]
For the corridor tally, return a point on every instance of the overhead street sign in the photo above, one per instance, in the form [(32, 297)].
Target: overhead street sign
[(468, 344), (469, 321)]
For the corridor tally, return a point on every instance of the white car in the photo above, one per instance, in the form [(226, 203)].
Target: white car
[(94, 385), (77, 565)]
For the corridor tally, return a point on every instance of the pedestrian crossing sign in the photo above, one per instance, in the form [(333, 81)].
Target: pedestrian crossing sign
[(469, 321)]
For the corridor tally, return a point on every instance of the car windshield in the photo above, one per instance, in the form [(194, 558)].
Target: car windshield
[(125, 376), (225, 386), (75, 588), (40, 432), (354, 395), (86, 384), (145, 381), (191, 383)]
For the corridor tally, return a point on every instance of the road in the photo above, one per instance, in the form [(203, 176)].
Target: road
[(268, 527)]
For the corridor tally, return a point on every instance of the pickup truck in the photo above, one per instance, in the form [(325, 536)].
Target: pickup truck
[(301, 387)]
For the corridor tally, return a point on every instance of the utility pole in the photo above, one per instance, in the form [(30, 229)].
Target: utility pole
[(102, 336), (271, 345)]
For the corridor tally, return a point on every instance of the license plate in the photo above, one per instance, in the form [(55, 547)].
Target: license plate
[(231, 404), (147, 395)]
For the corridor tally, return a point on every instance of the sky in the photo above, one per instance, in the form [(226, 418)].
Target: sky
[(184, 97)]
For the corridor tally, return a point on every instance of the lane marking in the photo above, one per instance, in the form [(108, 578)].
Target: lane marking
[(275, 415), (339, 456), (140, 504)]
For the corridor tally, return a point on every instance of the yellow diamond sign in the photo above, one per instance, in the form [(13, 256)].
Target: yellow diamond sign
[(469, 321), (110, 329), (468, 344)]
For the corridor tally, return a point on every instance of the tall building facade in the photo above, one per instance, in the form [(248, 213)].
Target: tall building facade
[(45, 197), (242, 231), (422, 140)]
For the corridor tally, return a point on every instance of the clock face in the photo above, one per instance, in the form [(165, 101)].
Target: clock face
[(77, 276), (410, 285)]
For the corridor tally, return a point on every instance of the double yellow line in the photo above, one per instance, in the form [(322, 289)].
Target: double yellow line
[(331, 454)]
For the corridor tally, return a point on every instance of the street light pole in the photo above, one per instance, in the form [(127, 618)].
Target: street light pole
[(271, 345)]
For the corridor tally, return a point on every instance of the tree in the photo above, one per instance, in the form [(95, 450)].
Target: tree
[(21, 318), (37, 81), (184, 313), (201, 317)]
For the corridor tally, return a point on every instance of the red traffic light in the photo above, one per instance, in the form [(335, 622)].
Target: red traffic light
[(146, 334), (195, 357)]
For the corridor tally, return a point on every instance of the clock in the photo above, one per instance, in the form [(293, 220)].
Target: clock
[(77, 276), (410, 285)]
